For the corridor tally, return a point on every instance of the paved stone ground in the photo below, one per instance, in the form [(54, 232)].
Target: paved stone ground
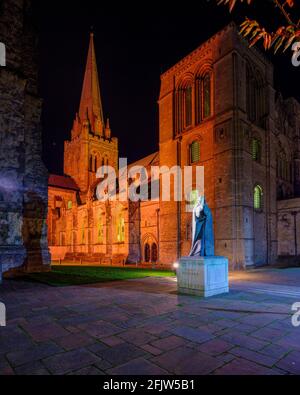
[(144, 327)]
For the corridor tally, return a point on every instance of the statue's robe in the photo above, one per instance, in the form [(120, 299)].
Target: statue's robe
[(203, 235)]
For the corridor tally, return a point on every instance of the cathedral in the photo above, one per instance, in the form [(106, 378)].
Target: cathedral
[(217, 108)]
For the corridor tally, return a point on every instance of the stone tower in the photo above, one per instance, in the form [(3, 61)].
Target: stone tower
[(218, 110), (91, 144)]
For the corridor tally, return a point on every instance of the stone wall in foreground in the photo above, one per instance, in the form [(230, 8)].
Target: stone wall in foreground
[(23, 176), (288, 228)]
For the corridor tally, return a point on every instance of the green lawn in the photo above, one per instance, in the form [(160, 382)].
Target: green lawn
[(76, 275)]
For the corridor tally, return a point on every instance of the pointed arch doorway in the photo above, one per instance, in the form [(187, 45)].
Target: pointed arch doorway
[(150, 249)]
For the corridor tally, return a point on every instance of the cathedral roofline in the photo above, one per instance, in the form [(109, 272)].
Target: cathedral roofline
[(64, 182), (205, 45), (146, 160)]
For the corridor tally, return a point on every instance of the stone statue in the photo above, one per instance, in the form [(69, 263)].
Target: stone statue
[(203, 236)]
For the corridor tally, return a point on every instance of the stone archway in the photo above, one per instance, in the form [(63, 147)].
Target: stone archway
[(150, 248)]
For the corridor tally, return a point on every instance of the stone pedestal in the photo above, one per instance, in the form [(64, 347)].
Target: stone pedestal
[(203, 276)]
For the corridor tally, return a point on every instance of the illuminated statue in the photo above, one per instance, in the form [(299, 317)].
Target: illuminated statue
[(203, 235)]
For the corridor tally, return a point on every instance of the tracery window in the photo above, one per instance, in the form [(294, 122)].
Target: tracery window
[(203, 97), (183, 108), (100, 231), (257, 197), (195, 151), (256, 150), (121, 230), (255, 97)]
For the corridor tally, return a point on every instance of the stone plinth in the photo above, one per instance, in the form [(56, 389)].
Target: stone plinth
[(203, 276)]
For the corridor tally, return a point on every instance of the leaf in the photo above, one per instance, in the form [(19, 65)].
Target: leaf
[(232, 3), (290, 3), (257, 38), (267, 40), (279, 44), (289, 42)]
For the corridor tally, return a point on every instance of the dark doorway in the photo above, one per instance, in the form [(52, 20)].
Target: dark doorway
[(154, 253), (147, 253)]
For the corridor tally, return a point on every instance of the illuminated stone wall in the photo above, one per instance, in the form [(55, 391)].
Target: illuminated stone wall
[(246, 236), (23, 177)]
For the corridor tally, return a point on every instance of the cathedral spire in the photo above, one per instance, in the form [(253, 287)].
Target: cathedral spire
[(90, 103)]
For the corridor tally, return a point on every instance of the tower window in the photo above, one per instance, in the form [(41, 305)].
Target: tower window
[(188, 106), (256, 150), (121, 230), (203, 97), (100, 232), (82, 235), (206, 96), (255, 97), (183, 108), (195, 152), (257, 197), (284, 168)]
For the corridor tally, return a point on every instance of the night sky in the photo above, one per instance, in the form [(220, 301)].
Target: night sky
[(135, 42)]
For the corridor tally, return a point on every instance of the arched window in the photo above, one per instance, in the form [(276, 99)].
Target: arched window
[(188, 106), (121, 230), (95, 164), (254, 97), (203, 97), (195, 151), (82, 235), (206, 96), (258, 197), (147, 253), (70, 204), (100, 231), (154, 253), (183, 111), (284, 167), (256, 150), (91, 163)]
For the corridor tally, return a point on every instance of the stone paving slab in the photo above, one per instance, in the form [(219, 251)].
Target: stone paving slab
[(69, 361), (244, 367), (143, 327), (35, 353), (290, 363), (137, 367)]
